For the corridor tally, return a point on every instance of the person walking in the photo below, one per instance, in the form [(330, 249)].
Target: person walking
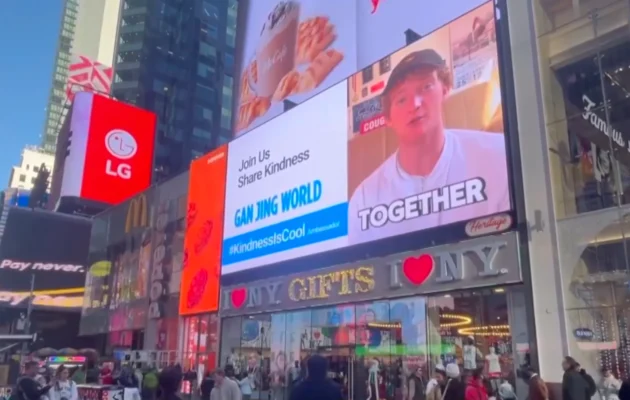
[(475, 388), (224, 388), (206, 386), (169, 381), (27, 387), (610, 385), (624, 391), (538, 389), (574, 385), (454, 389), (316, 386), (436, 384), (246, 386), (64, 388)]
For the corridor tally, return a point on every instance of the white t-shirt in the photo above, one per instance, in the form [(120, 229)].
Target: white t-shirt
[(494, 366), (478, 158)]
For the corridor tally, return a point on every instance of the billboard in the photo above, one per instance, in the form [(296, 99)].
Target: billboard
[(414, 141), (110, 150), (292, 50), (48, 250), (87, 75), (204, 234)]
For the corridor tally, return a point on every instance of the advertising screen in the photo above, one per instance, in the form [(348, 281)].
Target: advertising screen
[(414, 141), (201, 267), (49, 251), (292, 50), (110, 151)]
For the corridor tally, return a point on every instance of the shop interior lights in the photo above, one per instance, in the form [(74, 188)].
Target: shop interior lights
[(457, 321), (487, 330), (385, 325)]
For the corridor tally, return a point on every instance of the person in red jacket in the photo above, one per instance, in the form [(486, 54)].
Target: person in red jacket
[(475, 389), (106, 376)]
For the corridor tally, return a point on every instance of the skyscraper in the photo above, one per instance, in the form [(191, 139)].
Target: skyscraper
[(176, 58), (84, 58)]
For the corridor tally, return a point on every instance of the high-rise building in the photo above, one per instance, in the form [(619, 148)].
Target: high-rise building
[(176, 58), (23, 175), (84, 58)]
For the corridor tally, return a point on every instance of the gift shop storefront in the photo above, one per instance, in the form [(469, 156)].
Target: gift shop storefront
[(380, 320)]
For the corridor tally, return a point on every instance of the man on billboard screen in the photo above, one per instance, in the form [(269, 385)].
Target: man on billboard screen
[(436, 174)]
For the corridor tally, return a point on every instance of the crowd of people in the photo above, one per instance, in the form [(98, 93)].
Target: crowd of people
[(447, 383)]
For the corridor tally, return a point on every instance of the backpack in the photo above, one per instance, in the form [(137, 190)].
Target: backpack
[(150, 381), (590, 382)]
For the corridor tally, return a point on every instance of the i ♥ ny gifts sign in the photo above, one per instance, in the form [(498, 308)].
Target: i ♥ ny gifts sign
[(488, 261)]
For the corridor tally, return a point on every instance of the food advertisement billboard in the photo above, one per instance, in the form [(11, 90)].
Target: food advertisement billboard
[(204, 234), (292, 50), (412, 142)]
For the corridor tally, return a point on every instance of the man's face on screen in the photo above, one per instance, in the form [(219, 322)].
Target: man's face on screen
[(415, 106)]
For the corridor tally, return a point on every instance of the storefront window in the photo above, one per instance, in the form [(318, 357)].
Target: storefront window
[(374, 348), (584, 52)]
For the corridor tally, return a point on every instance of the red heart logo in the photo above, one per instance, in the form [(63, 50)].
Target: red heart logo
[(418, 269), (238, 297), (316, 334)]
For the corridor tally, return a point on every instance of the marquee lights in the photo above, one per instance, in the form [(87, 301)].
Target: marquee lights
[(458, 320), (486, 330), (348, 281), (384, 325)]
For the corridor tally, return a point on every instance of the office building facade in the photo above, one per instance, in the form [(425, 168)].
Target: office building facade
[(176, 58), (83, 61)]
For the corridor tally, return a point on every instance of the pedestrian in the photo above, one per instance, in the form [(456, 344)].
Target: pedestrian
[(206, 386), (316, 386), (475, 388), (609, 385), (436, 384), (27, 388), (417, 390), (538, 389), (246, 386), (574, 385), (624, 392), (64, 388), (224, 388), (590, 382), (454, 388), (169, 381)]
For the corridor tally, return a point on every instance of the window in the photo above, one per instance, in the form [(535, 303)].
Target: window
[(226, 118), (33, 180), (201, 133), (35, 168), (203, 114), (28, 166), (229, 61), (22, 178), (205, 71), (205, 93), (207, 50)]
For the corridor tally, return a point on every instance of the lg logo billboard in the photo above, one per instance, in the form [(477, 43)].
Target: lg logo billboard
[(122, 146)]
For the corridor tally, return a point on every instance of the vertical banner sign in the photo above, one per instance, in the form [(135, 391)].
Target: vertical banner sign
[(204, 234), (161, 256)]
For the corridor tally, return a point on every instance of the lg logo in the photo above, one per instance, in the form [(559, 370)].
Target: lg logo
[(122, 146)]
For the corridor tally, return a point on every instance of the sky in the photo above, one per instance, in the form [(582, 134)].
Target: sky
[(28, 39)]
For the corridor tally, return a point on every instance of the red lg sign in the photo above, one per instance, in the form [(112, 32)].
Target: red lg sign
[(119, 151), (122, 146)]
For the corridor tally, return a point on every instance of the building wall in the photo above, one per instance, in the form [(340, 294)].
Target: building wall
[(23, 175), (568, 54), (88, 29)]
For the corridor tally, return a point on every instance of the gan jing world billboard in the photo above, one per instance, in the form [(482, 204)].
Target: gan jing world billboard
[(292, 50), (412, 142)]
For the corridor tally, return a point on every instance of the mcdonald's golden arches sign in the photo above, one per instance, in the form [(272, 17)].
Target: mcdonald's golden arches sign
[(137, 213)]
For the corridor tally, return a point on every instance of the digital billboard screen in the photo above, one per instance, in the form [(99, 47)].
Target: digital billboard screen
[(110, 150), (48, 250), (412, 142), (292, 50)]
